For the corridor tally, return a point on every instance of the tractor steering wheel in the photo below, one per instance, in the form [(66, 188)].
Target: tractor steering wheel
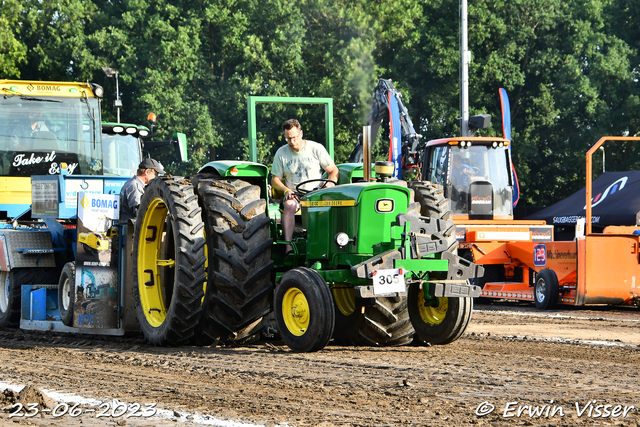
[(475, 170), (324, 181)]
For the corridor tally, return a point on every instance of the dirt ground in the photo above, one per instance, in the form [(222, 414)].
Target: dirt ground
[(515, 366)]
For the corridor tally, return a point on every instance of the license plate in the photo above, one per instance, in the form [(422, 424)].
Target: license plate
[(388, 281)]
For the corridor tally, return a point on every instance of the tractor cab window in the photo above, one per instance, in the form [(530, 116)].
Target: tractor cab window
[(437, 164), (38, 134), (480, 163), (121, 155)]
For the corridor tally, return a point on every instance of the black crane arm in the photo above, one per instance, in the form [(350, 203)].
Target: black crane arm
[(381, 111)]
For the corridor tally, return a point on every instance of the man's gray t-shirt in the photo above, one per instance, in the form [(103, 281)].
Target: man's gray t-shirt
[(130, 195), (308, 163)]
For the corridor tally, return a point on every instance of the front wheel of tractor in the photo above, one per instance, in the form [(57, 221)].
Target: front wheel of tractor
[(304, 310)]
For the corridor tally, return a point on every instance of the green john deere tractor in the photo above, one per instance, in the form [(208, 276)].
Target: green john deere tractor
[(366, 268)]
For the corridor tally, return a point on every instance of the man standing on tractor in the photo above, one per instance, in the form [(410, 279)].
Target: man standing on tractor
[(298, 161), (133, 189)]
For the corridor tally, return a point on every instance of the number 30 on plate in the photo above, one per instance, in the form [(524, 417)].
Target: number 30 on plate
[(388, 281)]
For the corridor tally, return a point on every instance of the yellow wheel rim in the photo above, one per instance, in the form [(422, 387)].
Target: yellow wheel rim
[(432, 315), (295, 312), (149, 263), (345, 299), (206, 268)]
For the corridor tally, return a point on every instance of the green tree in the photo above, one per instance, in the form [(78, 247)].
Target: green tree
[(341, 45), (571, 70), (195, 63), (13, 52), (572, 95), (623, 20), (566, 73), (54, 34)]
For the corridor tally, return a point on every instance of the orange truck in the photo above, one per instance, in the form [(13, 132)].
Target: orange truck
[(476, 175), (521, 260), (596, 268)]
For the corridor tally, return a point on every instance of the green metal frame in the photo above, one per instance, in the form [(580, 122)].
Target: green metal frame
[(253, 100)]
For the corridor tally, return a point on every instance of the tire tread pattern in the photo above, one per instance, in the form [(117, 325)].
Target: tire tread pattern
[(187, 229), (433, 204), (68, 271), (386, 323), (239, 248), (321, 309)]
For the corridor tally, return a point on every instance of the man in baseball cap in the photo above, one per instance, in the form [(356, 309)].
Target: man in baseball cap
[(132, 190), (150, 163)]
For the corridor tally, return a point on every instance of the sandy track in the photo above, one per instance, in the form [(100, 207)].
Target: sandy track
[(509, 354)]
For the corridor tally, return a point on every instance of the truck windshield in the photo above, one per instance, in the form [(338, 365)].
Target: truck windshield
[(39, 133), (480, 163), (121, 155)]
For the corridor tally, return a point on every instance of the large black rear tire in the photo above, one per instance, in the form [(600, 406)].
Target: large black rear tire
[(11, 296), (433, 204), (447, 321), (442, 324), (239, 254), (169, 261), (385, 323)]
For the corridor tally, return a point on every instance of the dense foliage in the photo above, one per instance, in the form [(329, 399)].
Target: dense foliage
[(570, 67)]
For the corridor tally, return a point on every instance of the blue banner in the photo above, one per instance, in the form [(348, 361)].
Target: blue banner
[(395, 136), (506, 132)]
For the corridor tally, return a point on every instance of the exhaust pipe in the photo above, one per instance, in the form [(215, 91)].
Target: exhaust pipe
[(366, 152)]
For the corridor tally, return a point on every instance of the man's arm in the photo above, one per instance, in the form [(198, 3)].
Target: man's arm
[(332, 172), (133, 199), (276, 182), (287, 193)]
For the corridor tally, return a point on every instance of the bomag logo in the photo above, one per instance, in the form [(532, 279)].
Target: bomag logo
[(48, 88), (43, 88), (475, 200), (104, 204)]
